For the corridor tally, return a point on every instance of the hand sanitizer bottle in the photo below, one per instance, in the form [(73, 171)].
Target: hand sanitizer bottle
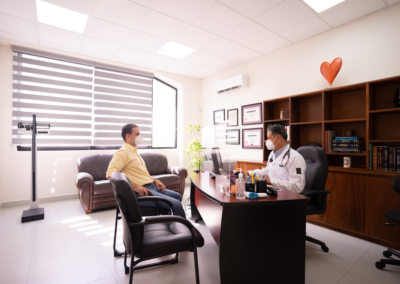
[(240, 187)]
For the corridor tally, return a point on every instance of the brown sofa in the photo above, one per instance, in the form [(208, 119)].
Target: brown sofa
[(95, 191)]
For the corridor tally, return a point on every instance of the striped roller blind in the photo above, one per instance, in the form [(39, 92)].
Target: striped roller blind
[(121, 98), (59, 93)]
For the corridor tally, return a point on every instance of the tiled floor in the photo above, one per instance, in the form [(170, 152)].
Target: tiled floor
[(71, 247)]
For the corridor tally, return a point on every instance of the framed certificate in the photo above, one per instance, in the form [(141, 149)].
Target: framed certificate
[(252, 138), (232, 116), (219, 116), (252, 114), (233, 137)]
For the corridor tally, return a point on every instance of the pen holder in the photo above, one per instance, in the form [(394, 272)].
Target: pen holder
[(251, 187), (261, 186)]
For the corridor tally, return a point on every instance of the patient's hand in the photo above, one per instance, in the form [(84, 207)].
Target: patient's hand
[(142, 190), (160, 184)]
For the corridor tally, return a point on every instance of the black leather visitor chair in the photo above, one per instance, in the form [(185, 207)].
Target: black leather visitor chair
[(315, 175), (154, 237), (394, 218)]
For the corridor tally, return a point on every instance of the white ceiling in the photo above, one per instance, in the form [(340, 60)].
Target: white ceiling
[(224, 32)]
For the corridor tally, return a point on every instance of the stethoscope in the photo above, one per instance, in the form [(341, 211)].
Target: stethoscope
[(286, 154)]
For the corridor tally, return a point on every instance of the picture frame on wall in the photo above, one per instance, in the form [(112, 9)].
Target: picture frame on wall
[(252, 114), (233, 117), (233, 136), (219, 116), (252, 138)]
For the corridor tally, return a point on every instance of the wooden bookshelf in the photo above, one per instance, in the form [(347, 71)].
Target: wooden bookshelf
[(359, 197)]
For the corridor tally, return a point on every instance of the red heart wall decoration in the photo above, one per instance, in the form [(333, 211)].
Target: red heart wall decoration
[(330, 71)]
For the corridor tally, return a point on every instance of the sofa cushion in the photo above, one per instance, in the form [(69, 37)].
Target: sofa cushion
[(156, 164), (102, 187), (95, 165), (168, 180)]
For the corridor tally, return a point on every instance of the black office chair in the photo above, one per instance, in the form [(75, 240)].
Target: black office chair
[(394, 217), (155, 236), (316, 174)]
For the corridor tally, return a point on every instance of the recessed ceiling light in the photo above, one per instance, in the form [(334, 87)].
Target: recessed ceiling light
[(175, 50), (322, 5), (59, 17)]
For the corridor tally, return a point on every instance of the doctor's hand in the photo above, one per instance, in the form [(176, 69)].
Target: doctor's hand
[(159, 184), (268, 179)]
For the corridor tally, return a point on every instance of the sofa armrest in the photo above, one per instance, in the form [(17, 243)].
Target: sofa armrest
[(84, 183), (182, 173)]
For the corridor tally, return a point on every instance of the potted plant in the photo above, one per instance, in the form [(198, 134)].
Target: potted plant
[(194, 149)]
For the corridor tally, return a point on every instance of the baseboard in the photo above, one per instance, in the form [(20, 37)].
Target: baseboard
[(41, 200)]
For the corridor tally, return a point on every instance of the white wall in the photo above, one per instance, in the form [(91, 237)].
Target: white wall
[(369, 48), (57, 169)]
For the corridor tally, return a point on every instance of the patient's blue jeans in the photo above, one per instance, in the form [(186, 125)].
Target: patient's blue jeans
[(172, 196)]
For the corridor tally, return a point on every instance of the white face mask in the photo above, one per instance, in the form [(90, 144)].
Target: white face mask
[(270, 144), (139, 140)]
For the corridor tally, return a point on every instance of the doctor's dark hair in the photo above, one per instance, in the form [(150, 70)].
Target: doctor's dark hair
[(127, 129), (278, 129)]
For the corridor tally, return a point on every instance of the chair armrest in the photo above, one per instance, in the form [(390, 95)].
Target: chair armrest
[(315, 192), (179, 171), (157, 198), (82, 177), (84, 182)]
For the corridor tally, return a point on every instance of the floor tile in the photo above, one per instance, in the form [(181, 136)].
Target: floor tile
[(106, 280), (15, 254)]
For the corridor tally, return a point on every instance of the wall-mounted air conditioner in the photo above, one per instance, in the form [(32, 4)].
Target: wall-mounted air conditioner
[(230, 84)]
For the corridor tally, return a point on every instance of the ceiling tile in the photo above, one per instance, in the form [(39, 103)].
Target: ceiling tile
[(182, 67), (222, 47), (92, 53), (160, 25), (244, 55), (145, 42), (133, 54), (306, 29), (201, 58), (194, 37), (127, 61), (121, 12), (99, 46), (19, 8), (59, 46), (202, 72), (250, 8), (17, 26), (147, 3), (84, 7), (248, 34), (350, 10), (59, 36), (391, 2), (13, 37), (220, 20), (270, 44), (159, 62), (107, 31), (285, 15), (222, 64), (184, 10)]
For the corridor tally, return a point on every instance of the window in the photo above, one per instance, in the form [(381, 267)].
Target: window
[(87, 103)]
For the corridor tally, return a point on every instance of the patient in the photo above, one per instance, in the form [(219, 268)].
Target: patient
[(128, 161)]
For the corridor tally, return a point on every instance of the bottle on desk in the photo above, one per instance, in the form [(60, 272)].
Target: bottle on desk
[(240, 187)]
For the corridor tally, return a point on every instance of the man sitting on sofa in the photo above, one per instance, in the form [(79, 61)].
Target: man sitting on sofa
[(128, 161)]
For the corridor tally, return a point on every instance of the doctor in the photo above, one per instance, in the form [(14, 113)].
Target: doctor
[(285, 167)]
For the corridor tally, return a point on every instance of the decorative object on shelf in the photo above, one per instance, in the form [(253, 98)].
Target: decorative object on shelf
[(219, 116), (252, 138), (281, 114), (348, 133), (233, 117), (330, 71), (233, 136), (397, 97), (252, 114), (346, 162), (194, 149)]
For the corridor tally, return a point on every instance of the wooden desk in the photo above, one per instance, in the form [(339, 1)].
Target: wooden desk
[(259, 240)]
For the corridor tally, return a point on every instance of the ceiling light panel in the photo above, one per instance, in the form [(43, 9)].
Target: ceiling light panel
[(320, 6), (176, 50)]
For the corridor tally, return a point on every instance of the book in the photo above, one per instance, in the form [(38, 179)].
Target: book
[(374, 157), (346, 150), (380, 158), (397, 159), (394, 158), (370, 164), (347, 138), (329, 136), (391, 164), (346, 145), (354, 142), (386, 158)]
